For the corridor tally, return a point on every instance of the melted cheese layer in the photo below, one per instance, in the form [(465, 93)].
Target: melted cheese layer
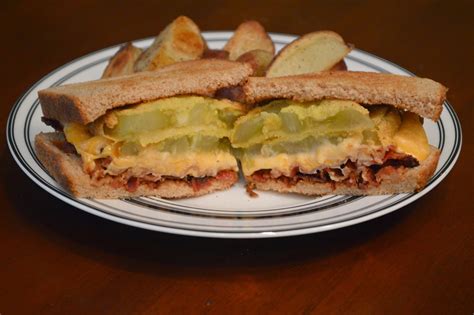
[(411, 137), (148, 160), (325, 154), (197, 164), (404, 131)]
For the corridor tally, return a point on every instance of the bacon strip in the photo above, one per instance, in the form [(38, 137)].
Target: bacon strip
[(349, 173), (131, 183)]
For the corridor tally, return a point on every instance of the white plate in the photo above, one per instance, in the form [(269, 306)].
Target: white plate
[(231, 213)]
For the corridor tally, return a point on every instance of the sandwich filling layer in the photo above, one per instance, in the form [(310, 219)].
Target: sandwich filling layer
[(331, 140), (176, 137)]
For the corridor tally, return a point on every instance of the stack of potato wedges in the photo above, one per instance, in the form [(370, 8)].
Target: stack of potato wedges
[(181, 40)]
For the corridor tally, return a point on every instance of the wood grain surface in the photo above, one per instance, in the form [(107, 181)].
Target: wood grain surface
[(56, 259)]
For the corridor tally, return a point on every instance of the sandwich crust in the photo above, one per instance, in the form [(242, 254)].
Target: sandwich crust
[(402, 180), (424, 97), (85, 102), (65, 166)]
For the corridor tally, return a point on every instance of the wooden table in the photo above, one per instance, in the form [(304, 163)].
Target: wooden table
[(56, 259)]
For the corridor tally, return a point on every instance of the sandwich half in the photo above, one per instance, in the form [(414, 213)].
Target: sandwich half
[(159, 133), (354, 133)]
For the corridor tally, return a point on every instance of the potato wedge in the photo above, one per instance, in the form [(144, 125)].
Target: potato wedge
[(179, 41), (122, 62), (250, 35), (258, 60), (313, 52)]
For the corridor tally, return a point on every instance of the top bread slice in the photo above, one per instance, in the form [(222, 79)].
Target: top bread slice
[(421, 96), (85, 102)]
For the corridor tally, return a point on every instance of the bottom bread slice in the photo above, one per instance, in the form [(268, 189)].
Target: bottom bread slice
[(65, 167), (400, 180)]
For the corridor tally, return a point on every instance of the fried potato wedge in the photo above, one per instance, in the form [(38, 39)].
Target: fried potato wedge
[(313, 52), (122, 62), (249, 35), (179, 41), (258, 60)]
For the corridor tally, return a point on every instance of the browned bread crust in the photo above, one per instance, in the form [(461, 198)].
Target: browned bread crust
[(405, 180), (85, 102), (65, 168), (424, 97)]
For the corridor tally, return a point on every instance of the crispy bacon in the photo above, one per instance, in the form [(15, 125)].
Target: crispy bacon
[(261, 175), (349, 173), (199, 183), (226, 175), (131, 182), (249, 188)]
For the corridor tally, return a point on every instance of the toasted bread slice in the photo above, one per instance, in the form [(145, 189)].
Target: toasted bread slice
[(66, 168), (122, 62), (250, 35), (313, 52), (258, 59), (424, 97), (85, 102), (179, 41), (401, 180)]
